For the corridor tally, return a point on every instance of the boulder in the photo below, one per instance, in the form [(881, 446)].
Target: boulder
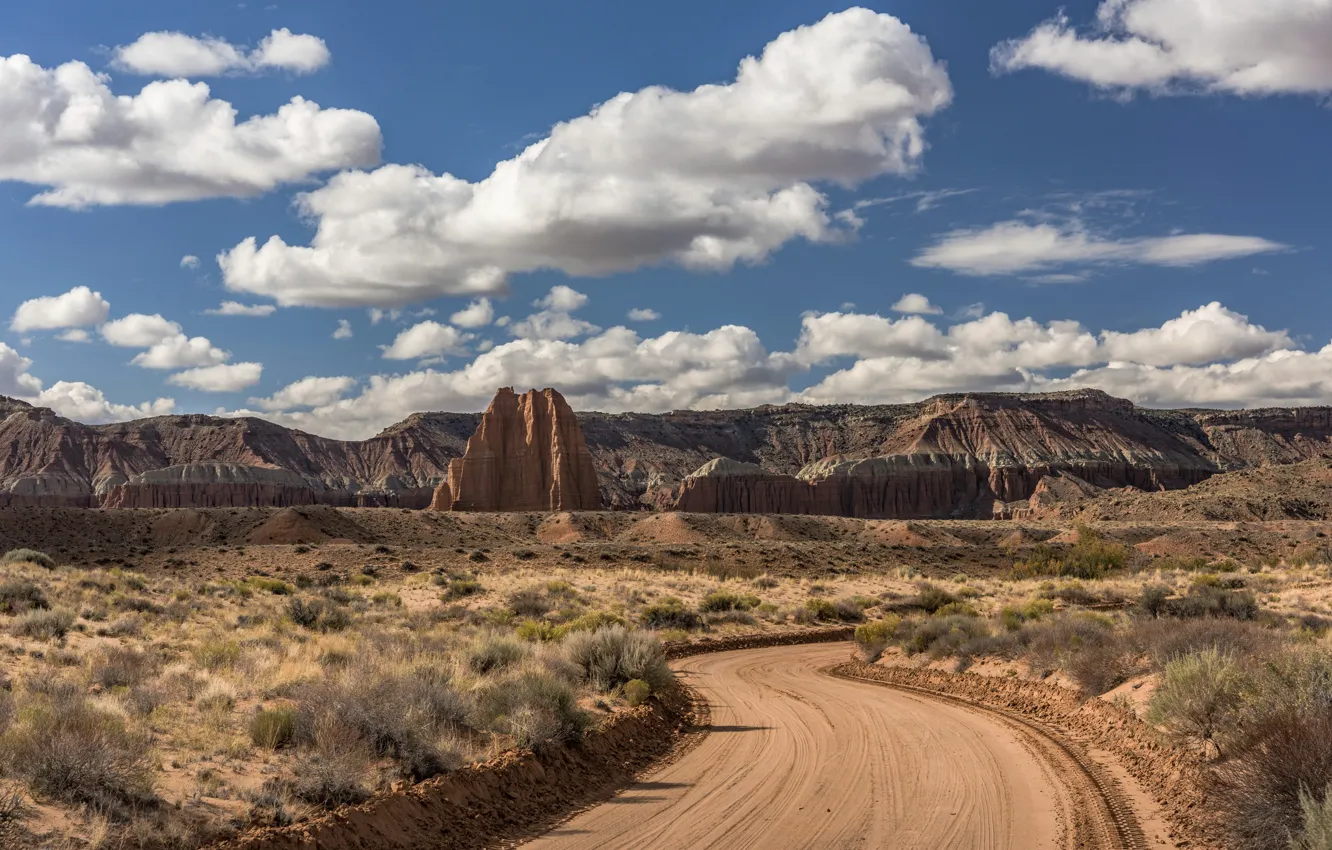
[(528, 454)]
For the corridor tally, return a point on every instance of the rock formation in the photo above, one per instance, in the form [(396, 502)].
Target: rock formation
[(527, 455), (953, 455), (214, 485)]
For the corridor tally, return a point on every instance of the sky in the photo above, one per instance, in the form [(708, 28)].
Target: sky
[(334, 214)]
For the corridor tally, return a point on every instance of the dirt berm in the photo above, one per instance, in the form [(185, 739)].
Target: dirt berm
[(520, 793)]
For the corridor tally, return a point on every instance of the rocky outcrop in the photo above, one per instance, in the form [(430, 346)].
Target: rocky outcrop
[(212, 485), (527, 455), (953, 455), (728, 486)]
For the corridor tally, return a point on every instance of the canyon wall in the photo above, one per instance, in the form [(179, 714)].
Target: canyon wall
[(962, 454)]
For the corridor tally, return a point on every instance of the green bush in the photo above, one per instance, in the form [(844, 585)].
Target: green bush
[(722, 600), (1092, 557), (1200, 697), (217, 654), (535, 706), (636, 691), (273, 728), (1316, 821), (1013, 616), (271, 585), (323, 615), (670, 613), (943, 636), (821, 610), (873, 638), (614, 655), (28, 556)]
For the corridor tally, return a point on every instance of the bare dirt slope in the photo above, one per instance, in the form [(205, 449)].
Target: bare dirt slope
[(798, 758)]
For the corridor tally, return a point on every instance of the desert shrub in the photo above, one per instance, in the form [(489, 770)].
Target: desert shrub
[(957, 609), (216, 654), (560, 589), (52, 624), (28, 556), (273, 728), (535, 630), (121, 667), (1051, 643), (873, 638), (1013, 616), (766, 582), (943, 636), (331, 774), (274, 586), (820, 610), (69, 751), (460, 588), (611, 656), (1154, 599), (218, 695), (533, 705), (1315, 821), (529, 602), (670, 613), (1200, 696), (588, 622), (930, 598), (636, 691), (1213, 600), (1092, 557), (849, 611), (20, 595), (491, 651), (1164, 640), (1257, 791), (1072, 593), (722, 600), (318, 614), (1102, 665), (397, 714)]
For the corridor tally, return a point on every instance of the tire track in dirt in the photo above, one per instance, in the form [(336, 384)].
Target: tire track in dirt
[(850, 764)]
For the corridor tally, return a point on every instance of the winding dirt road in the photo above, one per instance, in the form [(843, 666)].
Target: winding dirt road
[(798, 758)]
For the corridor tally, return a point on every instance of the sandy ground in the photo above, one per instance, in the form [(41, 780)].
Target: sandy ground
[(797, 758)]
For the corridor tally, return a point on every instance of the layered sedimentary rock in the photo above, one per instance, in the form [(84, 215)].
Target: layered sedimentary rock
[(967, 456), (212, 485), (952, 455), (527, 455)]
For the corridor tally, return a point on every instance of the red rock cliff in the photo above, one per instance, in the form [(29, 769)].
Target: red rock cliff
[(527, 455)]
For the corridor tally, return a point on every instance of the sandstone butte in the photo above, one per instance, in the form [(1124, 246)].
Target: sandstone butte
[(528, 454)]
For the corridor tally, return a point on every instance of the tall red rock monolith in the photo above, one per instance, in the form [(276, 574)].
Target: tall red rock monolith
[(527, 455)]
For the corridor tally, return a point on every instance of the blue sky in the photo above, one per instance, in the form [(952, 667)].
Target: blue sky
[(1127, 198)]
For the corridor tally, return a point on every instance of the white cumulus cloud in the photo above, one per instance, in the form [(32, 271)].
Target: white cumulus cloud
[(138, 330), (64, 129), (235, 308), (1244, 47), (643, 314), (307, 392), (704, 179), (477, 314), (78, 308), (914, 302), (222, 378), (427, 339), (189, 261), (344, 330), (175, 54), (1017, 247)]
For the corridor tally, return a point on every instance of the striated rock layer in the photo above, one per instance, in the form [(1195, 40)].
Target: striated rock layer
[(220, 485), (953, 455), (527, 455)]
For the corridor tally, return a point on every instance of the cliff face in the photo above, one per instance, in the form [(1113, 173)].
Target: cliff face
[(220, 485), (951, 455), (46, 460), (527, 455)]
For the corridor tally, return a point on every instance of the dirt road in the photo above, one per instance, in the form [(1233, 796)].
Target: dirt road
[(798, 758)]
